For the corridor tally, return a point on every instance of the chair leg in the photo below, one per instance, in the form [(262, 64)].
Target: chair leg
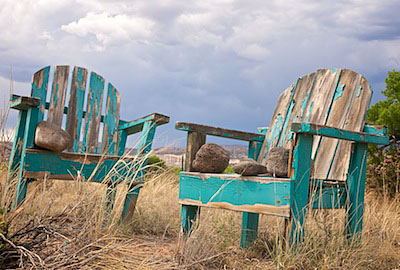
[(130, 202), (356, 189), (189, 214), (249, 229), (20, 194)]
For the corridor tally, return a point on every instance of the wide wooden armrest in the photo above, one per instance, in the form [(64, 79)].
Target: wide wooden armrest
[(23, 103), (220, 132), (373, 135), (137, 125)]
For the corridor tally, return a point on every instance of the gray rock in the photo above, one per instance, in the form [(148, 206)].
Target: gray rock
[(277, 161), (52, 137), (211, 158), (249, 167)]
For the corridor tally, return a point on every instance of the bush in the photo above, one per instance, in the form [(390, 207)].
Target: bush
[(384, 161)]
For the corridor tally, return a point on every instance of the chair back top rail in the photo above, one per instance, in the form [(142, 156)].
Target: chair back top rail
[(86, 135), (331, 97)]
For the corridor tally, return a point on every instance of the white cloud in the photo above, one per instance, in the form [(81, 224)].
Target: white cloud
[(111, 29)]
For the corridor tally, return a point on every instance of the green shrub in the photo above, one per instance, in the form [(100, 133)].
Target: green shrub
[(384, 161)]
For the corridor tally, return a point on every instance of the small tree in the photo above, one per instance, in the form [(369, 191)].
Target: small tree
[(384, 162)]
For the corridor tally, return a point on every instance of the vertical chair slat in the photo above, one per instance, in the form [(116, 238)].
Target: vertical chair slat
[(343, 101), (75, 106), (111, 119), (58, 92), (93, 114), (354, 121), (40, 82)]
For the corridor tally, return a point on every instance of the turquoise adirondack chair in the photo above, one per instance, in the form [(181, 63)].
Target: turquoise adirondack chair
[(86, 157), (321, 119)]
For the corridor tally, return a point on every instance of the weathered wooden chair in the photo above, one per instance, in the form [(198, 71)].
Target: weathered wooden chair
[(86, 157), (321, 119)]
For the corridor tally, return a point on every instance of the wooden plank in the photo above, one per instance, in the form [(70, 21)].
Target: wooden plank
[(300, 191), (75, 111), (278, 118), (135, 126), (328, 198), (110, 132), (23, 103), (57, 98), (28, 142), (264, 197), (40, 82), (194, 142), (354, 121), (355, 185), (320, 101), (219, 132), (67, 166), (297, 109), (93, 115), (337, 116), (331, 132)]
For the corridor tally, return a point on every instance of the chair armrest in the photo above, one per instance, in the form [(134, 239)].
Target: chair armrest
[(320, 130), (137, 125), (23, 103), (262, 130), (220, 132)]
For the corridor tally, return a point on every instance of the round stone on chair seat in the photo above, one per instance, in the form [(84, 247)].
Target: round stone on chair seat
[(211, 158), (249, 167), (52, 137)]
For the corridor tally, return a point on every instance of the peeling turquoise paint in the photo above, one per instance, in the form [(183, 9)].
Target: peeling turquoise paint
[(359, 91), (235, 192), (339, 91), (310, 112), (334, 70), (285, 125), (291, 133), (275, 130), (40, 91)]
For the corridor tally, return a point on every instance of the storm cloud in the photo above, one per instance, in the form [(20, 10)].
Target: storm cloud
[(221, 63)]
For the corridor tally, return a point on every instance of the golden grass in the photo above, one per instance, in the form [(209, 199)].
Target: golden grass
[(67, 216)]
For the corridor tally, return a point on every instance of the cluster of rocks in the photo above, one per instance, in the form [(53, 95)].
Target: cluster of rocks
[(213, 158)]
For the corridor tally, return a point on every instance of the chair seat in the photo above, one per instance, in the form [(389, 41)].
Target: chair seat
[(256, 194), (69, 165)]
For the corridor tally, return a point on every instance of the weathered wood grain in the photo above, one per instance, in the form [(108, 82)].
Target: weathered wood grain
[(219, 132), (337, 115), (260, 195), (75, 106), (194, 141), (354, 121), (320, 101), (297, 108), (93, 114), (331, 132), (40, 82), (111, 120), (278, 118), (57, 98), (23, 103)]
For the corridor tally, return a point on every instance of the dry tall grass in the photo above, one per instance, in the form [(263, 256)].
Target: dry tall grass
[(61, 223)]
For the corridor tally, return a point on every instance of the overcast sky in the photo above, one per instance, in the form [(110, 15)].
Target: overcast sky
[(213, 62)]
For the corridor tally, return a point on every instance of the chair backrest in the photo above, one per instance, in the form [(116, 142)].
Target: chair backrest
[(86, 137), (337, 98)]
